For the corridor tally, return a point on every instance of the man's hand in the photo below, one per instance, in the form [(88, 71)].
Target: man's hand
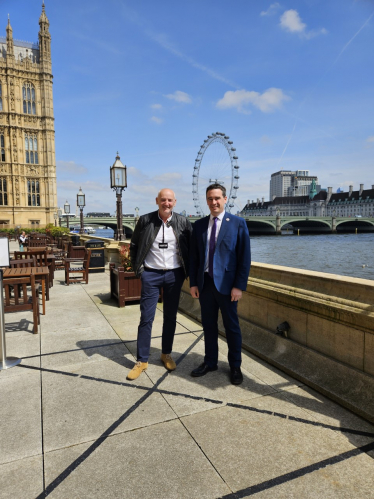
[(236, 294), (194, 290)]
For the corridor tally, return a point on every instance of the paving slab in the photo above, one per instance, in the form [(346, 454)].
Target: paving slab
[(22, 478), (20, 417), (81, 346), (249, 448), (80, 404), (161, 461), (60, 320)]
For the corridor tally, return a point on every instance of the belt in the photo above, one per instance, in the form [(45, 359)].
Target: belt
[(160, 270)]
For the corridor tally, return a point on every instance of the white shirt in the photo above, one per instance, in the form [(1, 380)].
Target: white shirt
[(218, 228), (159, 258)]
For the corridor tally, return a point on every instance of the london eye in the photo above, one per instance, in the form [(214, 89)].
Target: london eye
[(216, 162)]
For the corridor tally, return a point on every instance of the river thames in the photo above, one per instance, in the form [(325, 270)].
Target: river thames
[(344, 254)]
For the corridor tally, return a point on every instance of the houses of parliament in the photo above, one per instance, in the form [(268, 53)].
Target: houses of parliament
[(28, 195)]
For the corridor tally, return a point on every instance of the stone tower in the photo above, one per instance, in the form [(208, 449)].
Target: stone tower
[(28, 195)]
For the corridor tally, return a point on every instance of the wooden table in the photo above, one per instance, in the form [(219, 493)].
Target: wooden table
[(39, 273)]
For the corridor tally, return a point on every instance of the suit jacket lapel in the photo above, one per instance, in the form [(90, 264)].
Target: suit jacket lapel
[(205, 231), (223, 229)]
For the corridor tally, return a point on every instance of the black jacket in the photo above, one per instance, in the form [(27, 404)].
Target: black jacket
[(145, 233)]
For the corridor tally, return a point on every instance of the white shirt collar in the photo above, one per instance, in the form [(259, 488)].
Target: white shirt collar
[(220, 216), (168, 220)]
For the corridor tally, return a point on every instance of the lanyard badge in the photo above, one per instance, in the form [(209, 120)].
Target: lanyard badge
[(163, 245)]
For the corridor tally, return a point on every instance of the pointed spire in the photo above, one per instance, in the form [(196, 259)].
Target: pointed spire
[(9, 39), (44, 36), (43, 17)]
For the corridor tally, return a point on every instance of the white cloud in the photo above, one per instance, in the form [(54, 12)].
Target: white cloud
[(70, 167), (267, 102), (179, 96), (157, 120), (370, 139), (271, 10), (156, 106), (291, 21)]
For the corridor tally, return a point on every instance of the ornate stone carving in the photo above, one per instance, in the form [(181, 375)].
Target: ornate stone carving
[(16, 191)]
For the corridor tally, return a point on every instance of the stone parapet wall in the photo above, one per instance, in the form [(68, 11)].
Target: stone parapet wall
[(330, 345)]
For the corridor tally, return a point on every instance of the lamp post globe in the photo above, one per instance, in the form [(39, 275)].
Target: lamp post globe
[(81, 203), (67, 212), (118, 182)]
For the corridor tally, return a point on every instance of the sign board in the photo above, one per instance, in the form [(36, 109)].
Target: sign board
[(4, 252)]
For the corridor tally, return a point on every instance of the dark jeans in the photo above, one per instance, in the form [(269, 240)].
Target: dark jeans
[(211, 302), (152, 281)]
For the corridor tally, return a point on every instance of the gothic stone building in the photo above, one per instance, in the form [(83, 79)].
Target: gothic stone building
[(28, 194)]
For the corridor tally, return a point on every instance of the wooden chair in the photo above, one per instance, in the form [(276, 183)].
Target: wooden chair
[(22, 298), (77, 252), (20, 255), (83, 268), (24, 262)]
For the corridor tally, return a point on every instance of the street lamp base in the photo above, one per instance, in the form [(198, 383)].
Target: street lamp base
[(9, 362)]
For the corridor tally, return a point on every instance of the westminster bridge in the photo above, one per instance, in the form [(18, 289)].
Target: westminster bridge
[(264, 225)]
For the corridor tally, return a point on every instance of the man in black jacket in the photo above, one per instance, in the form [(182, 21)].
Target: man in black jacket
[(159, 254)]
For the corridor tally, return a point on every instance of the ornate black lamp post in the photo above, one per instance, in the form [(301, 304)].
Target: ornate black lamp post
[(81, 202), (67, 212), (55, 216), (118, 182), (59, 214)]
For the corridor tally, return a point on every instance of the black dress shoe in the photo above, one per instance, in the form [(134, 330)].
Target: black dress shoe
[(236, 376), (202, 370)]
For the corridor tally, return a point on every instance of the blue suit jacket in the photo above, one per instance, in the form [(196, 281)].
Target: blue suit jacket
[(232, 256)]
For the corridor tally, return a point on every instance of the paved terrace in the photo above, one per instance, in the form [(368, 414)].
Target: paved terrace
[(72, 426)]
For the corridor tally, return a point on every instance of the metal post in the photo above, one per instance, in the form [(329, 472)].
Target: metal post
[(5, 363), (67, 221), (119, 234), (81, 230)]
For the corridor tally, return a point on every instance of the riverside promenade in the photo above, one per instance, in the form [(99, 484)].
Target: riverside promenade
[(72, 426)]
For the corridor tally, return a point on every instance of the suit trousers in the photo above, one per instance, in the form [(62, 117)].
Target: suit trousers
[(152, 281), (211, 301)]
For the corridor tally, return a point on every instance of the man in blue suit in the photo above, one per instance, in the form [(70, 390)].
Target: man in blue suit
[(220, 260)]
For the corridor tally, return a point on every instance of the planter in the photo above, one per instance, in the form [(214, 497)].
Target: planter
[(124, 286)]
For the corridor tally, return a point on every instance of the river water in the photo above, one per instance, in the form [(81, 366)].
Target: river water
[(344, 254)]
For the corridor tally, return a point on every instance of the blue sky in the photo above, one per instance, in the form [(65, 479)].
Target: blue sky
[(291, 83)]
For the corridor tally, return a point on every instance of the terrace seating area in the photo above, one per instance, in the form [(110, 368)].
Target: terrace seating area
[(71, 425)]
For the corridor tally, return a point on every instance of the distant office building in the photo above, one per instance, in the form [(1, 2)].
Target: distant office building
[(287, 183), (28, 193), (322, 203)]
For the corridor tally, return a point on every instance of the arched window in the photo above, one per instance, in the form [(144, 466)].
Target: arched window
[(3, 192), (28, 96), (2, 147), (33, 192), (31, 149), (1, 98)]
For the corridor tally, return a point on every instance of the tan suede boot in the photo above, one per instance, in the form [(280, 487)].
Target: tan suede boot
[(168, 362), (137, 370)]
